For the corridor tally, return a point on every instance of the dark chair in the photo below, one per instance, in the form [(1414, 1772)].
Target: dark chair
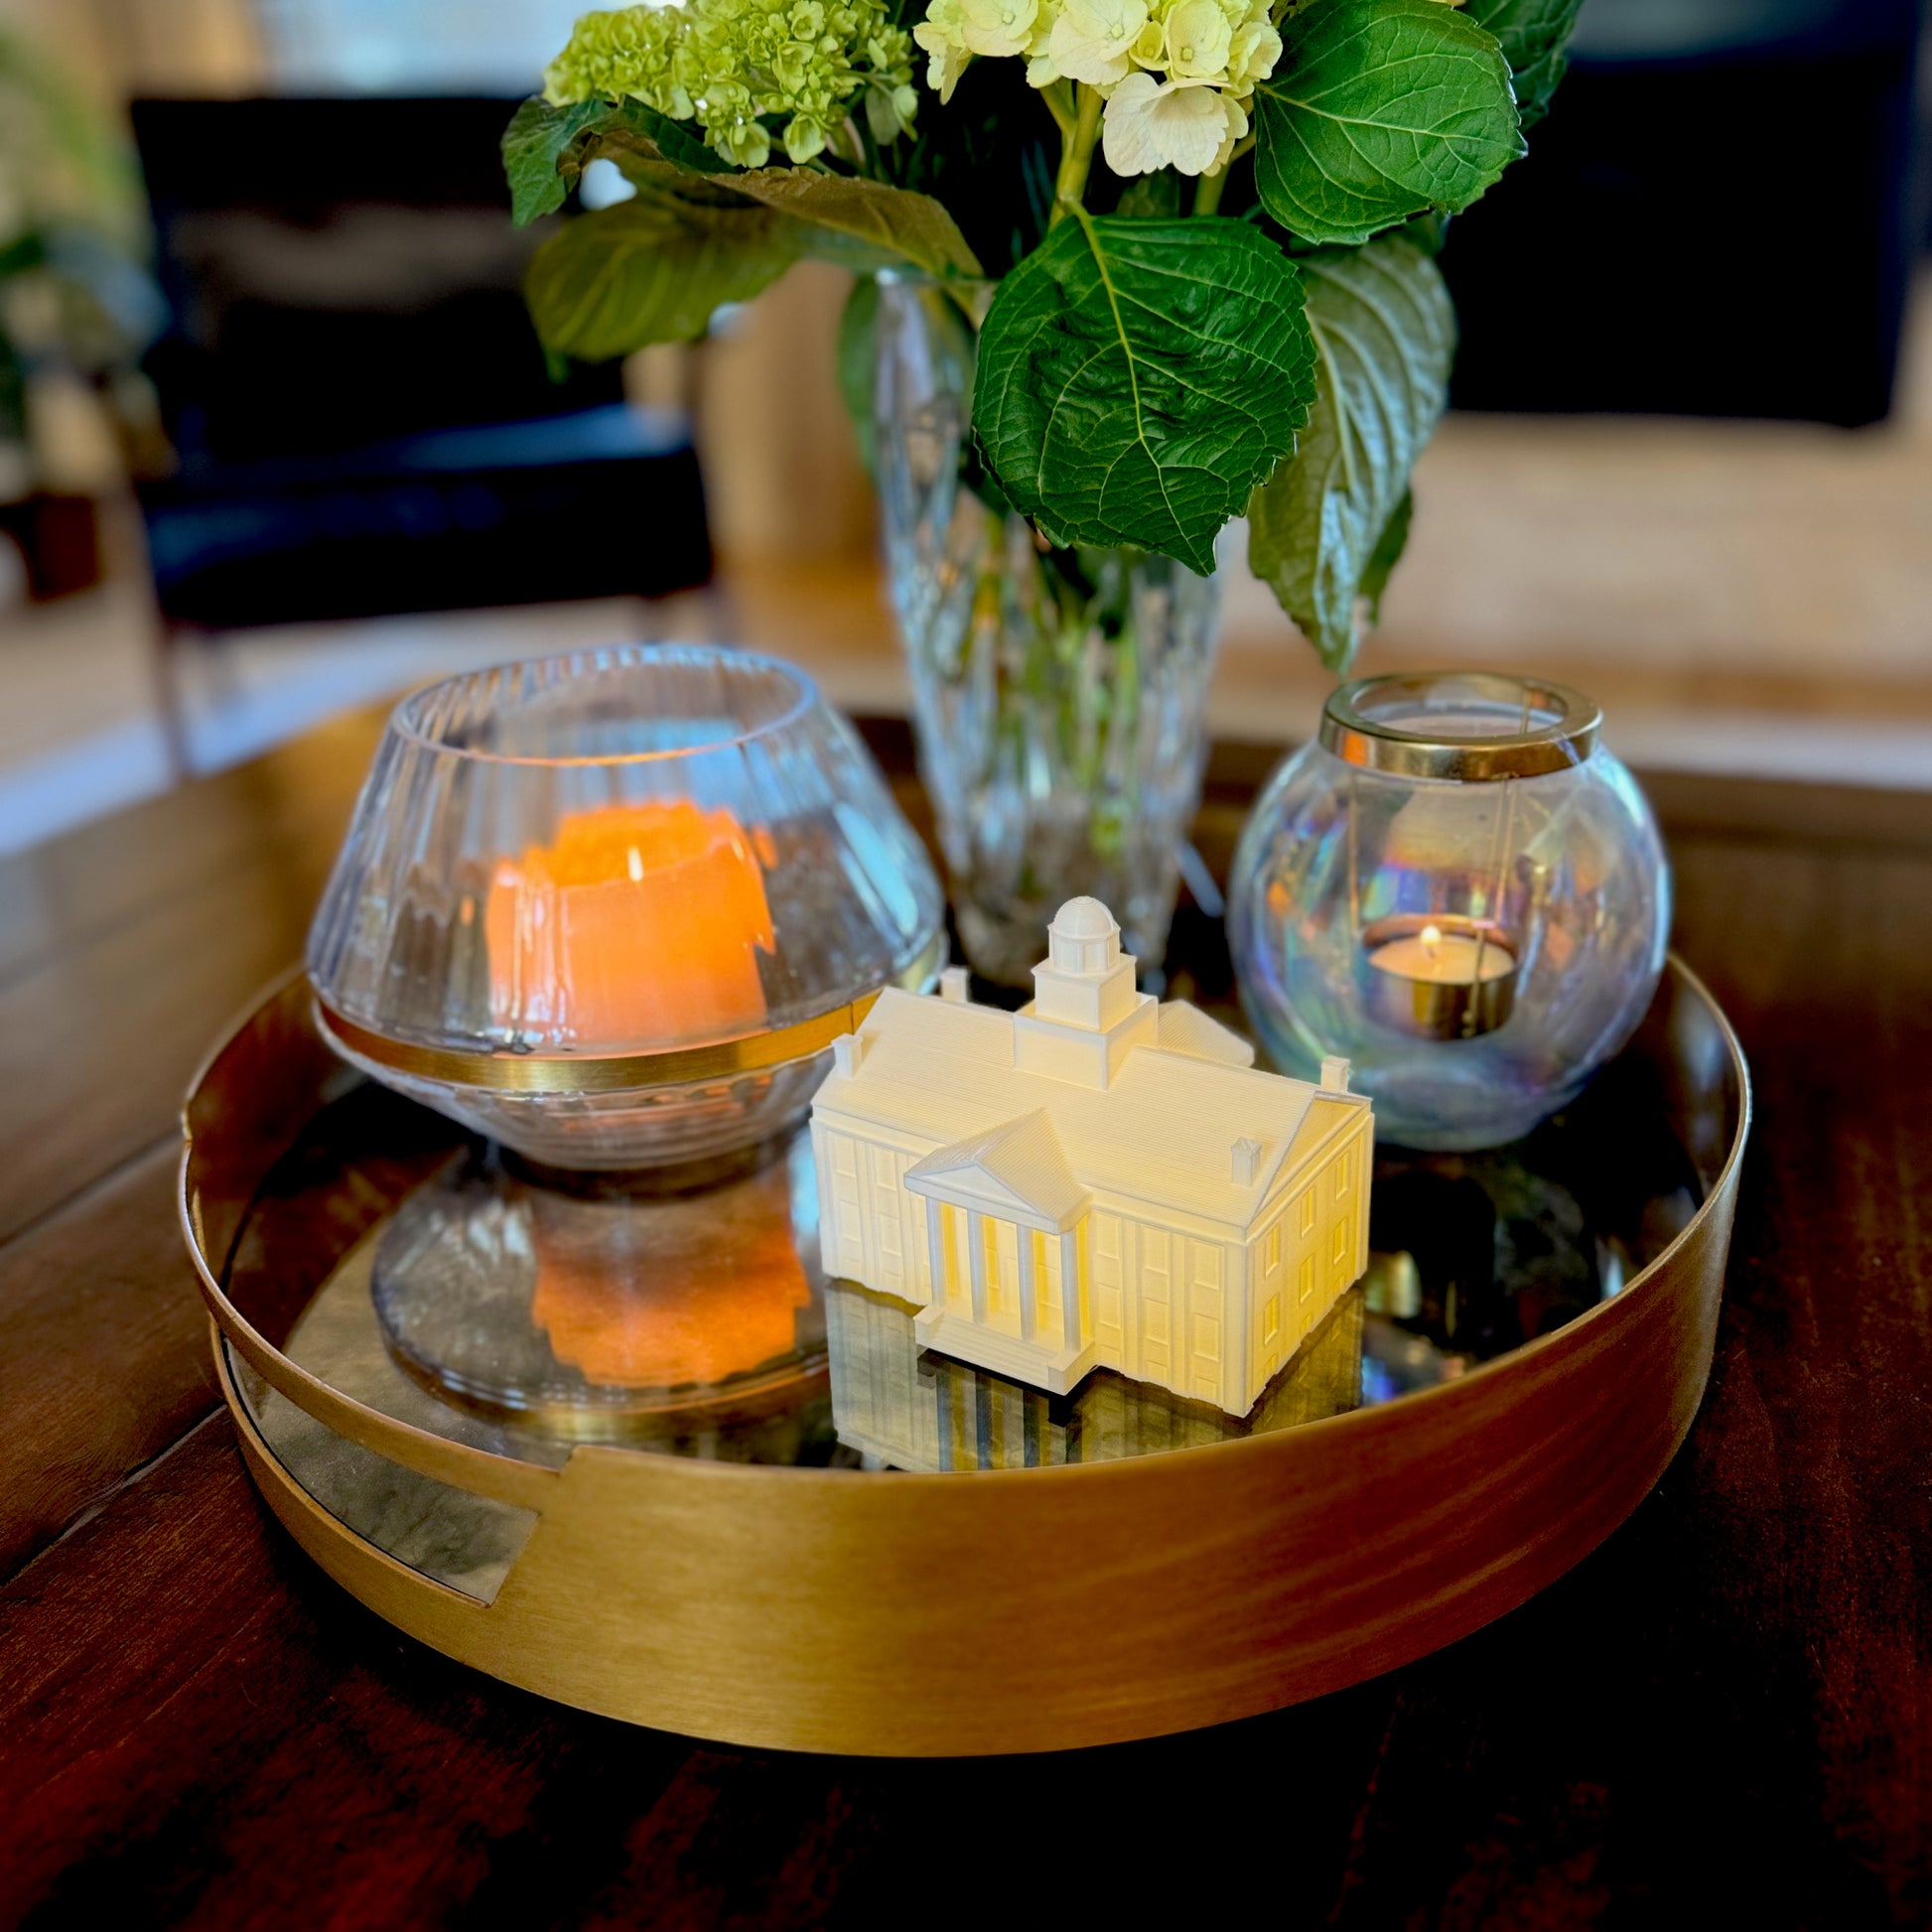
[(363, 419), (1715, 220)]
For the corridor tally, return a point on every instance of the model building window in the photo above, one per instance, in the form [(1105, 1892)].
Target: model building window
[(1274, 1247), (1341, 1242), (1306, 1285), (1271, 1319), (1344, 1176), (1305, 1211)]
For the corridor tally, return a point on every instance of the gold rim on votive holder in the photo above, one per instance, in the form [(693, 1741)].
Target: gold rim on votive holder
[(1439, 1008), (501, 1071), (1552, 728)]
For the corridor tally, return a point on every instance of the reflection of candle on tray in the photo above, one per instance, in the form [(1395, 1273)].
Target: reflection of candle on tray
[(702, 1305), (637, 924), (1442, 978)]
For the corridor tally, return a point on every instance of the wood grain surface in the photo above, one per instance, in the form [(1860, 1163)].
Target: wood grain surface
[(1723, 1717)]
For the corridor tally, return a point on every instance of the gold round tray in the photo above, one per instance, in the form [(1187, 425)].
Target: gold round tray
[(857, 1608)]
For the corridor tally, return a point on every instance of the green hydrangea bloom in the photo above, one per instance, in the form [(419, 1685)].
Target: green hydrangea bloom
[(629, 52), (738, 66)]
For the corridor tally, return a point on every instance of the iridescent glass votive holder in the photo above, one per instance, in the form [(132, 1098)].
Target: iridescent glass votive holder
[(612, 908), (1458, 889)]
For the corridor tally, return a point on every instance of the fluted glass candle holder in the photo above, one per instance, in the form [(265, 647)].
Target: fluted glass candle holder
[(612, 908), (1457, 888)]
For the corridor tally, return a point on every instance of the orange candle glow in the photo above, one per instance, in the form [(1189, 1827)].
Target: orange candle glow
[(637, 924), (708, 1303)]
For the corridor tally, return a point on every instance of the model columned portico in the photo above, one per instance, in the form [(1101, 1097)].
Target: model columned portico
[(1099, 1178)]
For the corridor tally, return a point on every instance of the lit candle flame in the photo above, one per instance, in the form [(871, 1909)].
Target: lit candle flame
[(1432, 938), (634, 924)]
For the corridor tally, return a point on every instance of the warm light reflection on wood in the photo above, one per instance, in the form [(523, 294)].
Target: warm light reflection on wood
[(639, 925)]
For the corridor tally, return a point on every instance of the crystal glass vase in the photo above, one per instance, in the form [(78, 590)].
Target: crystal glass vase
[(1059, 695)]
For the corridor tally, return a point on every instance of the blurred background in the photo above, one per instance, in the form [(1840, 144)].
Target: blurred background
[(276, 439)]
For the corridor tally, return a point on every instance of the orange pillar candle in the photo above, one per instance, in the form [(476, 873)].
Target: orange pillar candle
[(637, 926)]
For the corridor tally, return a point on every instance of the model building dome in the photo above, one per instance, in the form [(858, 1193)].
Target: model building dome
[(1083, 938)]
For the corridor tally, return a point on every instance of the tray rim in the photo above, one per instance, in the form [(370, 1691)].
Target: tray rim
[(925, 1506), (249, 1341)]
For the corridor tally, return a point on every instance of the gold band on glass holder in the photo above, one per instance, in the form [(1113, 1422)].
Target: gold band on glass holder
[(1555, 728), (721, 1059)]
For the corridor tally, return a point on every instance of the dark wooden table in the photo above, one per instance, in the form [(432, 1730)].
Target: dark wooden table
[(1723, 1716)]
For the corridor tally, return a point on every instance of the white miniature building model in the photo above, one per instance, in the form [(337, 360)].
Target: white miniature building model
[(1097, 1180)]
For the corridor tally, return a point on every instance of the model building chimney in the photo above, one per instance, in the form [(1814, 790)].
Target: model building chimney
[(847, 1051), (1244, 1162), (952, 985), (1335, 1074)]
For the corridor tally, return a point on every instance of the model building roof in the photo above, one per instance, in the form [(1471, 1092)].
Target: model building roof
[(1185, 1029), (1019, 1166), (1162, 1131)]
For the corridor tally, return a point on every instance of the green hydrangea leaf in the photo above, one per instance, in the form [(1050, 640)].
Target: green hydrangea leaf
[(856, 362), (546, 148), (1139, 379), (534, 146), (1387, 553), (1532, 34), (1377, 110), (866, 223), (625, 130), (652, 269), (1324, 531)]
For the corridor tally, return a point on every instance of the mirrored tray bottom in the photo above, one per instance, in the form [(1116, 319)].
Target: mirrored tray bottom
[(631, 1448), (506, 1312)]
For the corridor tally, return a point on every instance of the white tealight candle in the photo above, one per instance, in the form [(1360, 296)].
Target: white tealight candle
[(1451, 980), (1440, 959)]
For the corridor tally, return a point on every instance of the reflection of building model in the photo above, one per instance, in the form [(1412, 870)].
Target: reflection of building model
[(919, 1410), (1098, 1180)]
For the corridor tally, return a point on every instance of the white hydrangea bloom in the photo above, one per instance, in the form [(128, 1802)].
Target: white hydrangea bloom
[(1253, 49), (1175, 73), (1187, 125), (1040, 69), (1091, 38), (1197, 36), (1237, 127), (942, 34), (1149, 49), (997, 28)]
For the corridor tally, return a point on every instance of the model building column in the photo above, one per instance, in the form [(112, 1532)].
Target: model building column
[(976, 1261), (935, 1248), (1070, 1286), (1028, 1290)]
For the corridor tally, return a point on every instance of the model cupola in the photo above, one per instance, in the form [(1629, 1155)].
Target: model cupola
[(1086, 1015)]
